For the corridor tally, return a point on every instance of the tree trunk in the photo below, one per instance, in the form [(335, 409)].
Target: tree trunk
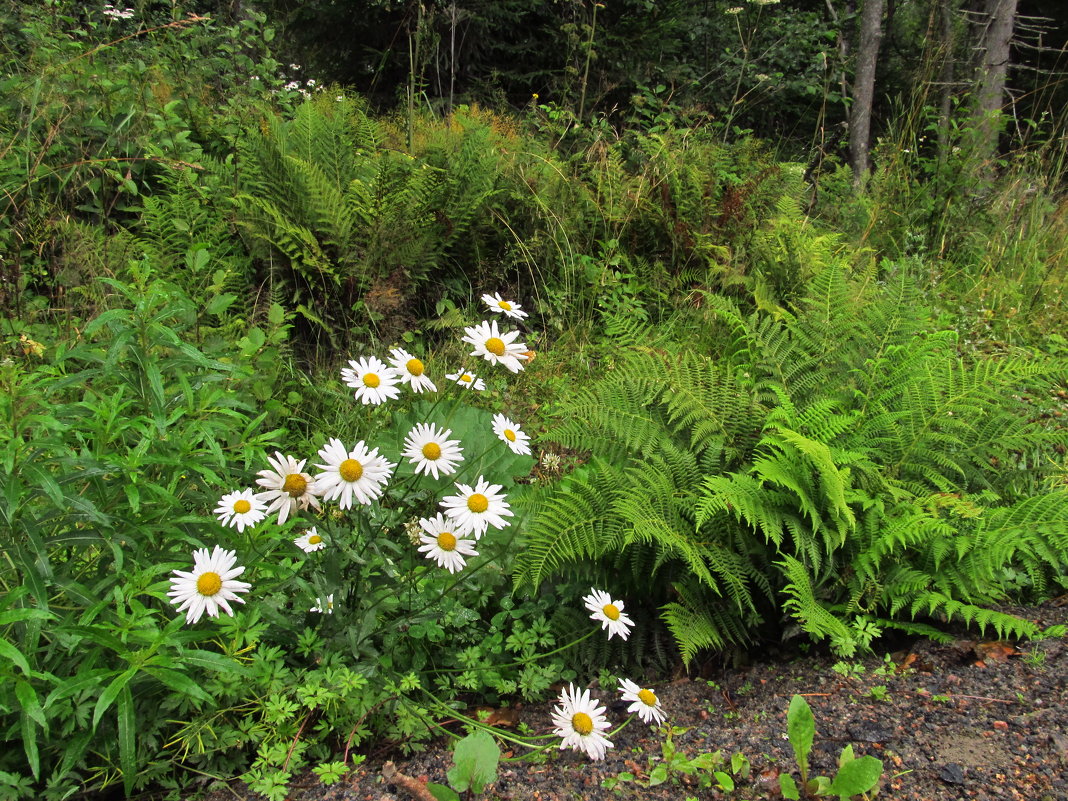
[(871, 33), (990, 78), (947, 13)]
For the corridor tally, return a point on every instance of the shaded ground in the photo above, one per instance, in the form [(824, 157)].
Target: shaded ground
[(971, 720)]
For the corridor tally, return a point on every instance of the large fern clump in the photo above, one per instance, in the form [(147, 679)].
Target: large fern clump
[(838, 466), (336, 216)]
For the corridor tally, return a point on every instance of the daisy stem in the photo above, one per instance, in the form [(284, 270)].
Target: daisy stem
[(536, 751), (621, 726), (462, 718)]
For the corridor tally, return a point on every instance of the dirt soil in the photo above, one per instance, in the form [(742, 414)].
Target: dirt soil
[(974, 719)]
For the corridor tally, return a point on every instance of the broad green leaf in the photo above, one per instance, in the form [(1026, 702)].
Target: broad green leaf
[(788, 787), (857, 776), (658, 775), (726, 783), (475, 762), (220, 303)]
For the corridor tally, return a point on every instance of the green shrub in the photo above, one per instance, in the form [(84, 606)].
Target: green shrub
[(837, 464)]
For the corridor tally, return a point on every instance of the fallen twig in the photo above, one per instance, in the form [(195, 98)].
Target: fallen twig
[(414, 786)]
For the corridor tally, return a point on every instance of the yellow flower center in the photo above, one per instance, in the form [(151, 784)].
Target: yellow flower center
[(414, 366), (209, 583), (371, 380), (432, 451), (314, 539), (466, 378), (495, 346), (647, 697), (350, 470), (295, 484), (509, 435), (241, 506), (478, 503), (446, 541), (582, 723), (505, 305), (611, 611)]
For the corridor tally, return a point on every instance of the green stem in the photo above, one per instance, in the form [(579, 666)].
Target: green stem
[(589, 54)]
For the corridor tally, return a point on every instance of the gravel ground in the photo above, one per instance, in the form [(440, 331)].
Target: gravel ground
[(973, 719)]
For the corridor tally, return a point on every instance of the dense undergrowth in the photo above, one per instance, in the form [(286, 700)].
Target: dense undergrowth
[(763, 405)]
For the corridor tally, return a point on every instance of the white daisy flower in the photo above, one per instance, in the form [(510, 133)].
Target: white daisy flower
[(465, 379), (495, 347), (288, 487), (310, 541), (581, 723), (372, 379), (411, 370), (506, 306), (609, 613), (510, 433), (324, 609), (209, 586), (360, 472), (646, 704), (442, 544), (430, 450), (240, 509), (477, 508)]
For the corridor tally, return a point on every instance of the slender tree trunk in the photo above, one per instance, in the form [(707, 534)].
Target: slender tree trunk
[(871, 33), (992, 70), (947, 10)]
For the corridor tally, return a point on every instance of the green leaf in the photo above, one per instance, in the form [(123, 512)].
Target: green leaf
[(127, 739), (475, 762), (788, 787), (740, 765), (16, 615), (179, 682), (111, 692), (441, 792), (10, 652), (29, 744), (29, 702), (857, 776), (220, 303), (220, 663), (658, 775), (801, 729), (725, 782), (76, 684), (276, 315)]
